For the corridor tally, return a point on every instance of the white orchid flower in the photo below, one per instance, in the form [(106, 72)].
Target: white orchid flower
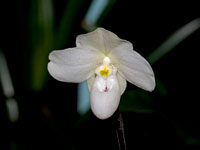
[(106, 62)]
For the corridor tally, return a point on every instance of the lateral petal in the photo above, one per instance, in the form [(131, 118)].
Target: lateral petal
[(73, 64), (133, 66)]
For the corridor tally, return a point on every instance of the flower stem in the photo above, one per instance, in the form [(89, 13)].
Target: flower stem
[(120, 132)]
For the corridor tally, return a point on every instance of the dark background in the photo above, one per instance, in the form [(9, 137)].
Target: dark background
[(48, 118)]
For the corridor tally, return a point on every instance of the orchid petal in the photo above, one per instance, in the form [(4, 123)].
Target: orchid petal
[(104, 103), (133, 66), (122, 82), (73, 64), (90, 82), (100, 40)]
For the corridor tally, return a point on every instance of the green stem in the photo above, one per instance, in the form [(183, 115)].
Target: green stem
[(120, 132)]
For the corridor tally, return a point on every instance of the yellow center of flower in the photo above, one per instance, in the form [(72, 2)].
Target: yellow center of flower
[(106, 69), (104, 72)]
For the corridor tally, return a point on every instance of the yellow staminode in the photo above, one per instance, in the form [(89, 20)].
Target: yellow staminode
[(104, 72)]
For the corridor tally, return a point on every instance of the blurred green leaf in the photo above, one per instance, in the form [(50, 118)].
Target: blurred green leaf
[(192, 141), (43, 38), (96, 13), (5, 78), (71, 12), (139, 101), (173, 40), (160, 88), (42, 41), (105, 12)]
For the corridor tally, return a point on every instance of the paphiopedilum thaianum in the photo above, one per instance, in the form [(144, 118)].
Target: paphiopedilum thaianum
[(106, 62)]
